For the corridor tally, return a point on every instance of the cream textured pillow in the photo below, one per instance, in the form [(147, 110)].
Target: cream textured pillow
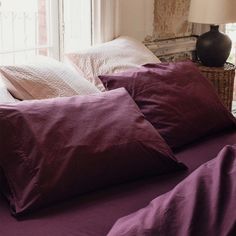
[(115, 56), (45, 78)]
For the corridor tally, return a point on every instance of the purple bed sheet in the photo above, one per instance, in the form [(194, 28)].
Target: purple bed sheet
[(94, 214)]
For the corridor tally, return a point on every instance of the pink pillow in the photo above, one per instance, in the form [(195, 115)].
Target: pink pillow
[(176, 98), (45, 78), (57, 148)]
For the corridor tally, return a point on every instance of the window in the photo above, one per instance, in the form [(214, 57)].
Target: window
[(28, 27), (43, 27), (231, 31), (52, 27), (77, 24)]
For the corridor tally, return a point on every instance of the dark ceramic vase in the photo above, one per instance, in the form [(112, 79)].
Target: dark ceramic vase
[(213, 47)]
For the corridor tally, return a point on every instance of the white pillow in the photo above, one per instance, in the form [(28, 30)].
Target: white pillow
[(115, 56), (5, 96), (45, 78)]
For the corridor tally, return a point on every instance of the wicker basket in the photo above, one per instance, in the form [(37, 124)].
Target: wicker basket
[(222, 79)]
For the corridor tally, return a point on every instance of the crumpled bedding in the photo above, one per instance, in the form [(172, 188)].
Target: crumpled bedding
[(202, 204)]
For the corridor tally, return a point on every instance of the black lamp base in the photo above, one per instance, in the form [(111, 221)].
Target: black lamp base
[(213, 48)]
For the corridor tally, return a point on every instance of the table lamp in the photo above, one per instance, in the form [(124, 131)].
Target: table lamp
[(213, 47)]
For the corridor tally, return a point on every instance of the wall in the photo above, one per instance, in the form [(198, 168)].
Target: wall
[(170, 19), (150, 19), (161, 24), (136, 18)]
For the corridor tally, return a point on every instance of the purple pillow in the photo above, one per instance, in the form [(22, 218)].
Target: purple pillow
[(176, 98), (56, 148)]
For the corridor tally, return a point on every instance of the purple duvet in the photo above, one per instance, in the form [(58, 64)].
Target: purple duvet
[(203, 204)]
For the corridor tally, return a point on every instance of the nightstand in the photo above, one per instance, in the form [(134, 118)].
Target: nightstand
[(222, 79)]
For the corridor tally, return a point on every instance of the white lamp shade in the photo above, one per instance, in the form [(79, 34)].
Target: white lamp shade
[(212, 11)]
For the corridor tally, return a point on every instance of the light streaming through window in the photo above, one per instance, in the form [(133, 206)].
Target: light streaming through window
[(25, 30), (78, 24)]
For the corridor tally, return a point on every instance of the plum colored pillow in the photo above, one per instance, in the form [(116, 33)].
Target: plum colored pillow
[(57, 148), (176, 98)]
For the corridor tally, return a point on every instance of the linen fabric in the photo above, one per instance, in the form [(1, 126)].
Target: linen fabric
[(115, 56), (202, 204), (69, 146), (176, 98), (44, 78)]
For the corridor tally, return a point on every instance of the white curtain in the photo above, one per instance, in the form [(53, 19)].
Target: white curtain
[(105, 20)]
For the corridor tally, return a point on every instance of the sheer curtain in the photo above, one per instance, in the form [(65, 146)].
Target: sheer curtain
[(105, 20)]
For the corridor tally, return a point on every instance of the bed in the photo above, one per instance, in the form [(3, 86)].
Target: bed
[(94, 214), (71, 172)]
